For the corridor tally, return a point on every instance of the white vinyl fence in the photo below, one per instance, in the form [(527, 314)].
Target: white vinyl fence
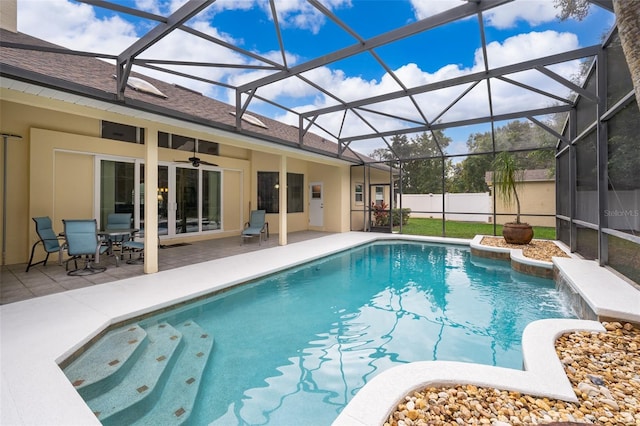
[(476, 205)]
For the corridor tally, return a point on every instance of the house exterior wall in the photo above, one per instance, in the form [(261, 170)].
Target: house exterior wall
[(52, 170), (335, 181), (536, 197), (367, 178), (267, 162)]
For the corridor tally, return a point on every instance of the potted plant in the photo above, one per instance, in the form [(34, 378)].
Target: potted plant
[(507, 176)]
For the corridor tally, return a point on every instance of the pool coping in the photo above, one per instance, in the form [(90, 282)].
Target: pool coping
[(39, 333)]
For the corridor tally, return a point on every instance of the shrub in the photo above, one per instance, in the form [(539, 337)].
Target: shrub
[(397, 213), (380, 214)]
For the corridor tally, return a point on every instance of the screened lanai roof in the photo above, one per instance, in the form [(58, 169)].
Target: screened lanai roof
[(352, 72)]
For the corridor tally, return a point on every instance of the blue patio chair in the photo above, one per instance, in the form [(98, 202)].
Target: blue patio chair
[(83, 242), (131, 247), (257, 226), (51, 242), (118, 221)]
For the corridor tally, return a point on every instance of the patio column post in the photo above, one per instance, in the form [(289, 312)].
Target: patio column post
[(282, 215), (151, 202)]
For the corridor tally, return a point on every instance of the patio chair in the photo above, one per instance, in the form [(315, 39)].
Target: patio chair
[(118, 221), (256, 226), (131, 247), (83, 242), (51, 242)]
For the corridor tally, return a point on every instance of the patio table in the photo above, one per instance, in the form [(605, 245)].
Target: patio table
[(109, 235)]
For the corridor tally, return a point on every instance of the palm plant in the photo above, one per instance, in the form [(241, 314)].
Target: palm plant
[(507, 177)]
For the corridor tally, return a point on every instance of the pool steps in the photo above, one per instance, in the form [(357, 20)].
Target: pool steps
[(98, 369), (176, 402), (149, 360)]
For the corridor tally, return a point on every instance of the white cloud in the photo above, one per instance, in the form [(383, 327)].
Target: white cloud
[(527, 46), (74, 26), (425, 8), (301, 14), (534, 12)]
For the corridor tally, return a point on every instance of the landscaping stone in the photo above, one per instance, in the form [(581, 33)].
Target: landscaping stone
[(536, 249), (604, 369)]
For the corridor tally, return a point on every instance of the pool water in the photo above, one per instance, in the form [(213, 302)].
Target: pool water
[(295, 347)]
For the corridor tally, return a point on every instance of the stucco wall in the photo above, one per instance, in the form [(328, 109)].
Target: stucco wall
[(335, 182), (535, 198), (51, 171)]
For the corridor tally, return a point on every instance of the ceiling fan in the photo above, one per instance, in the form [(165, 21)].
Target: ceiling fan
[(195, 161)]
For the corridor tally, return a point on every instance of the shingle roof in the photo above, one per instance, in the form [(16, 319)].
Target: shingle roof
[(94, 77)]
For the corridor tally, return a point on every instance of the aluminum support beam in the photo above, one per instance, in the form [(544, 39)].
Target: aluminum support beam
[(180, 16), (466, 79), (451, 15)]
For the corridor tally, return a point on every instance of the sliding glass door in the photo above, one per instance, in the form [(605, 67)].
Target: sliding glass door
[(211, 201), (117, 188), (187, 191), (189, 199)]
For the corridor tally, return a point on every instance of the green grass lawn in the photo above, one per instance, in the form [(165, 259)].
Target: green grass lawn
[(433, 227)]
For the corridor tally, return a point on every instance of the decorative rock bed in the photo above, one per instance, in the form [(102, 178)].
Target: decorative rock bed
[(543, 250), (604, 370), (534, 258)]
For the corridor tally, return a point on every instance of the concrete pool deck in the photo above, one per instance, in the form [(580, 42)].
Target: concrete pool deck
[(39, 333)]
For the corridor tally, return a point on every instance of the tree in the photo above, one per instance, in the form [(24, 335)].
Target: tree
[(628, 22), (469, 174), (421, 163), (507, 176)]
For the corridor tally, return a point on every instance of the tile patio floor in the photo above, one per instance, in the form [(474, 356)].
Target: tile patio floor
[(17, 285)]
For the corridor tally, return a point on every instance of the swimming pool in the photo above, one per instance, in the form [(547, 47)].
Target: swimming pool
[(297, 346)]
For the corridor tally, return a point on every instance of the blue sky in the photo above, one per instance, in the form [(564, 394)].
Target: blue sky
[(521, 30)]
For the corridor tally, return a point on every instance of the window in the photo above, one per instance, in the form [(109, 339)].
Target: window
[(211, 200), (379, 195), (207, 147), (117, 186), (295, 192), (359, 193), (269, 191), (163, 140), (182, 143), (122, 132), (185, 143)]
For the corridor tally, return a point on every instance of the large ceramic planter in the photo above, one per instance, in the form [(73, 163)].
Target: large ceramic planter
[(517, 233)]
